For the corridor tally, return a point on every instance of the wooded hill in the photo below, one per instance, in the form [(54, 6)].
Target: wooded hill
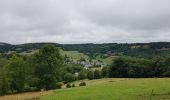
[(144, 50)]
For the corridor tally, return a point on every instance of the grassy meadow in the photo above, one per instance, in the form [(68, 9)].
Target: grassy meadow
[(116, 89), (105, 89), (75, 55)]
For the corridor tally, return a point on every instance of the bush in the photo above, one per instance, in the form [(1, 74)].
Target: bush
[(68, 77), (97, 74), (90, 74), (68, 85), (73, 85), (82, 74), (59, 85), (82, 84)]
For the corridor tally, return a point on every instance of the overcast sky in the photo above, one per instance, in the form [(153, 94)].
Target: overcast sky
[(84, 21)]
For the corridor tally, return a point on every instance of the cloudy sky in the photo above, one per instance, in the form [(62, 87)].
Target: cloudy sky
[(84, 21)]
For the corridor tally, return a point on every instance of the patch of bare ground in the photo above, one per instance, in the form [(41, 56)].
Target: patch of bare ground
[(26, 96)]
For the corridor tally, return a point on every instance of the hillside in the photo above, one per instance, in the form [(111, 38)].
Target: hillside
[(105, 89), (28, 72), (145, 50), (116, 89)]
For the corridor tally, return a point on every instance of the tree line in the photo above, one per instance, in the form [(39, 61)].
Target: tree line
[(139, 67), (143, 50), (42, 70), (46, 69)]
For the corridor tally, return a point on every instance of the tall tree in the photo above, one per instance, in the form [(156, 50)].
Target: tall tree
[(4, 81), (48, 63), (17, 73)]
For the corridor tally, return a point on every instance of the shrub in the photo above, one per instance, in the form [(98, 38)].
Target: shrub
[(73, 85), (82, 74), (59, 85), (97, 74), (68, 85), (90, 74), (82, 84), (68, 77)]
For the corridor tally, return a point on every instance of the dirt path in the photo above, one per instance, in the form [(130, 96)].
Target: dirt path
[(26, 96)]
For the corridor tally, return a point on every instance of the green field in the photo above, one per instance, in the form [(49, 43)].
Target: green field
[(75, 55), (116, 89), (107, 60)]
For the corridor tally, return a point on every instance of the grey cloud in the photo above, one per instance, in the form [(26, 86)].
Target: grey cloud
[(140, 14), (84, 21)]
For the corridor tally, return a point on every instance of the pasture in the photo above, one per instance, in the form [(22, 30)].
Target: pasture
[(105, 89), (116, 89)]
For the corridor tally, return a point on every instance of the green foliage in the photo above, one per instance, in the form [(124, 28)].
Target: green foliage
[(73, 68), (5, 82), (97, 74), (48, 63), (17, 72), (82, 84), (76, 51), (73, 85), (44, 68), (135, 67), (105, 72), (68, 85), (90, 74), (82, 74), (118, 68), (144, 50), (3, 61), (16, 76), (68, 77), (59, 85)]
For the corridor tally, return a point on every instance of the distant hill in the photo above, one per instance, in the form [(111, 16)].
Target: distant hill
[(146, 50)]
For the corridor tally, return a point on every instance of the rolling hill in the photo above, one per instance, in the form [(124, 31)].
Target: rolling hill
[(145, 50)]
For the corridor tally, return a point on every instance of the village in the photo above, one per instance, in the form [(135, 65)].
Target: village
[(86, 63)]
